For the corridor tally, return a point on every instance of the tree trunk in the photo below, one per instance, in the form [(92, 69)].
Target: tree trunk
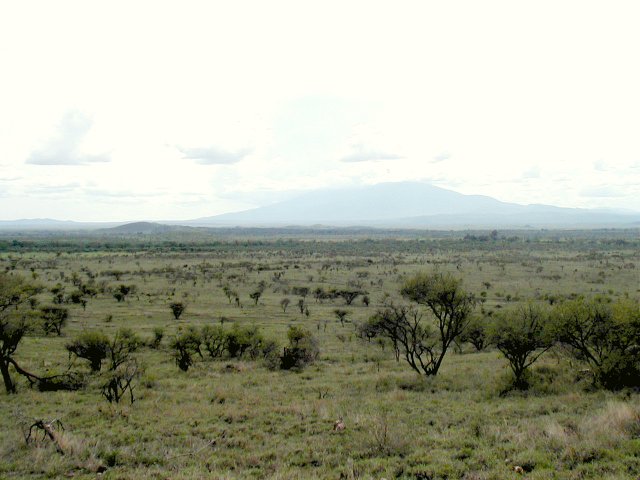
[(8, 383)]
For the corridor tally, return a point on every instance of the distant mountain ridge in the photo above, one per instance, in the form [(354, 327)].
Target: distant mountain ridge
[(413, 205)]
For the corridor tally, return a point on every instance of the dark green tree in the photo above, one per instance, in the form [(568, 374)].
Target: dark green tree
[(522, 335), (604, 335), (449, 305), (15, 322), (177, 308)]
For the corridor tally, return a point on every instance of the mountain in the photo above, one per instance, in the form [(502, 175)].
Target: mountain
[(413, 205), (145, 228)]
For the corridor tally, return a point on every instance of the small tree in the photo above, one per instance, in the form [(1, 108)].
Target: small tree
[(186, 345), (410, 337), (341, 314), (158, 335), (476, 333), (302, 350), (451, 306), (605, 336), (53, 319), (284, 303), (255, 296), (177, 308), (119, 382), (522, 335), (122, 291), (348, 295), (123, 344), (91, 346), (228, 292), (242, 341), (214, 340)]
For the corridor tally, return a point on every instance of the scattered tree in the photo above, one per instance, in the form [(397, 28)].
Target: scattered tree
[(341, 314), (177, 308), (214, 340), (522, 335), (15, 322), (606, 336), (302, 350), (451, 306), (284, 303), (186, 345), (53, 319), (348, 295), (476, 333), (91, 346)]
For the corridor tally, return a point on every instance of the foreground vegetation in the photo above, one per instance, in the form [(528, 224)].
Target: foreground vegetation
[(267, 358)]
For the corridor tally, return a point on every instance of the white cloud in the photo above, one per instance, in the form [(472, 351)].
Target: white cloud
[(481, 102), (65, 146), (360, 153), (213, 155)]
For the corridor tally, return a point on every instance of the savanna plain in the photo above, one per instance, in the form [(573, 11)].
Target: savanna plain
[(312, 392)]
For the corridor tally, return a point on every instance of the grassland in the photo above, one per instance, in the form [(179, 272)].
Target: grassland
[(238, 419)]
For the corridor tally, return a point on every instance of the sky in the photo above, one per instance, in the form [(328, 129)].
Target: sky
[(122, 110)]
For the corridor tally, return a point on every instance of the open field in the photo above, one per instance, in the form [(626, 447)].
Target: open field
[(230, 418)]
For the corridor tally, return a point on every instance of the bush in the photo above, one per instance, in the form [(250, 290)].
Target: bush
[(242, 341), (91, 346), (604, 335), (214, 340), (476, 333), (53, 319), (186, 345), (302, 350), (158, 335), (522, 335), (177, 308)]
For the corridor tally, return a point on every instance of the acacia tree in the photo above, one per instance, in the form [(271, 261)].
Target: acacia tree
[(91, 346), (341, 314), (177, 308), (476, 333), (606, 336), (449, 304), (15, 322), (53, 319), (402, 324), (284, 303), (522, 335)]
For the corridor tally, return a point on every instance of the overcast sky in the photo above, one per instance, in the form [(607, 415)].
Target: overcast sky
[(175, 110)]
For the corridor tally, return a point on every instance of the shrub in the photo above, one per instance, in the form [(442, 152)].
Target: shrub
[(91, 346), (242, 341), (214, 340), (158, 335), (522, 335), (177, 308), (302, 350), (53, 319), (604, 335), (186, 345), (476, 333)]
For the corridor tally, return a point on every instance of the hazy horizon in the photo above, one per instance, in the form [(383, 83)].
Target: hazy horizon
[(154, 111)]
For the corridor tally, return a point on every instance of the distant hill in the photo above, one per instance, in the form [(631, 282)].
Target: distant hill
[(145, 228), (414, 205)]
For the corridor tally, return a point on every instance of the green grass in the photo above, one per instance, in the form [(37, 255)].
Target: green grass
[(237, 419)]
